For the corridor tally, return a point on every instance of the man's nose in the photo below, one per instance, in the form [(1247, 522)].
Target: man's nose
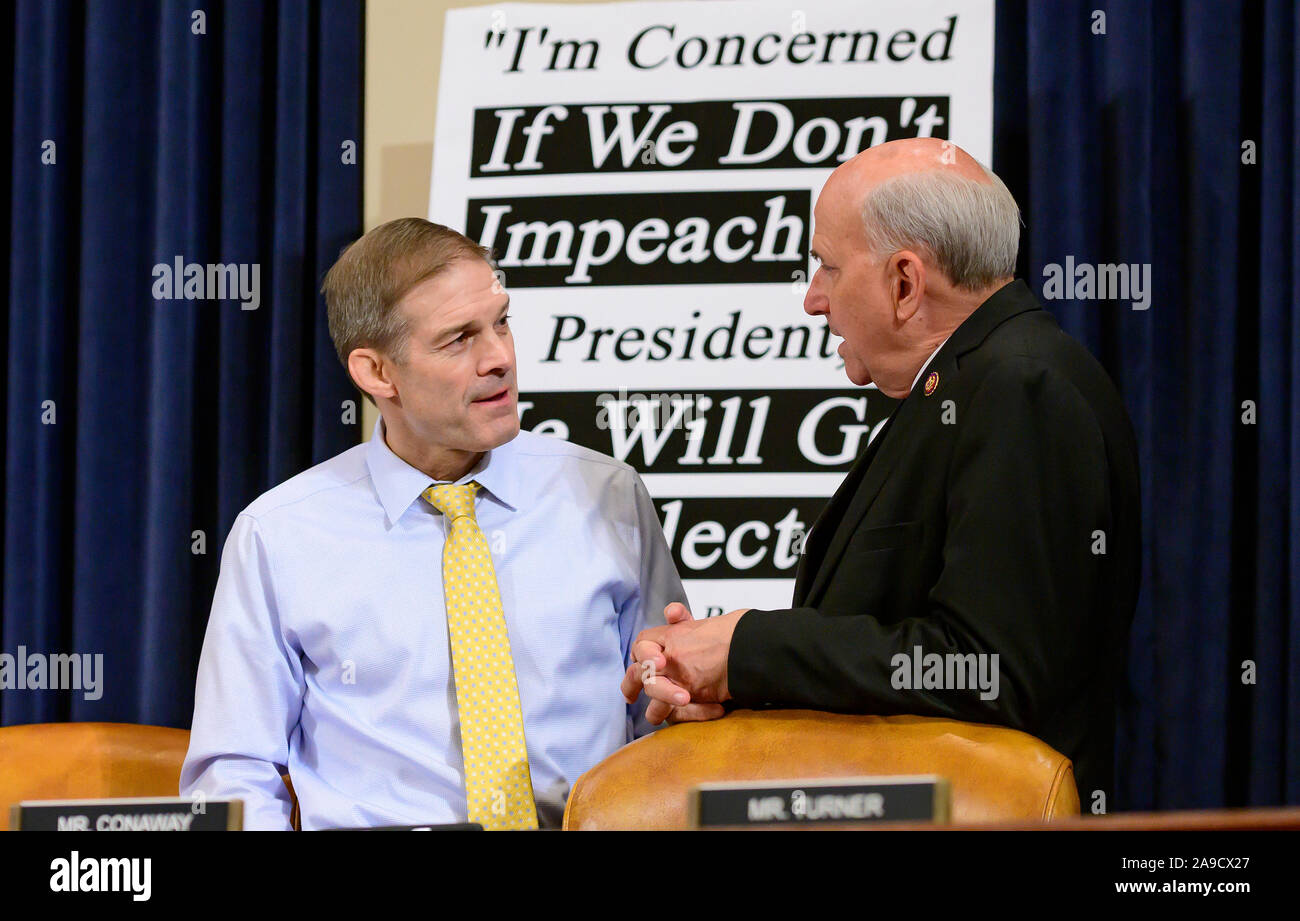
[(497, 355), (815, 302)]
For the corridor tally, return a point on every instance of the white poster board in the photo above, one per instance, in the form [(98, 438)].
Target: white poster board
[(645, 174)]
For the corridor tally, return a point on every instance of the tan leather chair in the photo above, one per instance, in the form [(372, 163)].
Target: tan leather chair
[(92, 761), (996, 774)]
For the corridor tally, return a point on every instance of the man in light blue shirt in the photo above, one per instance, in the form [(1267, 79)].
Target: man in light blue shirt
[(327, 654)]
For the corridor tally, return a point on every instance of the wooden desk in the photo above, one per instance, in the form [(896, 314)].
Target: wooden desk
[(1285, 819)]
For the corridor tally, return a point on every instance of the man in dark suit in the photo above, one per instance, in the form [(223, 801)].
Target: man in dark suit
[(980, 561)]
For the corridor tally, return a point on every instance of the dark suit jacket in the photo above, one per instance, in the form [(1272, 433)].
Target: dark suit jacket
[(970, 525)]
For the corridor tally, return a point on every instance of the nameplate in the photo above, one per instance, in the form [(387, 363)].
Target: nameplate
[(171, 813), (840, 800)]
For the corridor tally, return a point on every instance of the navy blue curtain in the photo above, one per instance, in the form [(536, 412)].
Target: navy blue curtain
[(144, 133), (1127, 146)]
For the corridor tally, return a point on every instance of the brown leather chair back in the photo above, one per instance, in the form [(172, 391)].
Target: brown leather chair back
[(93, 761), (996, 774), (88, 761)]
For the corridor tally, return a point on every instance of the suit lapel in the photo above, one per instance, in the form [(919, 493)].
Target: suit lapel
[(828, 521), (859, 498)]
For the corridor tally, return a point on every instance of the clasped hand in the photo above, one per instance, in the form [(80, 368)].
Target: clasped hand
[(682, 666)]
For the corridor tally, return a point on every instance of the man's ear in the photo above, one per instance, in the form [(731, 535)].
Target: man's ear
[(371, 370), (906, 284)]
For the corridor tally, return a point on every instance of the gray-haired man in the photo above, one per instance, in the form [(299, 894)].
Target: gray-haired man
[(980, 560)]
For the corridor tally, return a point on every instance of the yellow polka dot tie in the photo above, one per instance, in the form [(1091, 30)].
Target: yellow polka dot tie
[(498, 785)]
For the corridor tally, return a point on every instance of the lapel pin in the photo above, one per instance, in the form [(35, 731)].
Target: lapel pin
[(932, 383)]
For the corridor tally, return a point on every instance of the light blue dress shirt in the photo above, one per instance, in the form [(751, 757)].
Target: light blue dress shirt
[(327, 654)]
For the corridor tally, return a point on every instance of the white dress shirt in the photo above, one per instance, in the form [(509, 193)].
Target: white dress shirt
[(327, 656)]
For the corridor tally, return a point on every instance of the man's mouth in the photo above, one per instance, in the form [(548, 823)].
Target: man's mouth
[(495, 399)]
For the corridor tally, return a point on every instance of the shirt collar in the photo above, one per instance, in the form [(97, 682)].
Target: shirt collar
[(398, 484), (927, 363)]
